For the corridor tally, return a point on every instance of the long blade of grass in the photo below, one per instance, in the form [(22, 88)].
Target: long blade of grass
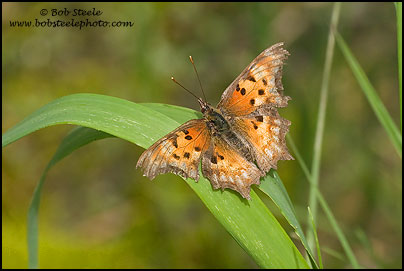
[(318, 140), (249, 222), (272, 185), (399, 15), (333, 253), (327, 210), (74, 140), (313, 225), (334, 224), (177, 113), (371, 94)]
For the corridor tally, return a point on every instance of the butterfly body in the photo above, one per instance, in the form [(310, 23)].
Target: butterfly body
[(220, 127), (237, 142), (215, 121)]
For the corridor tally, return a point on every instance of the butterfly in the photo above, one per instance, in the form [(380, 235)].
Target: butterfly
[(238, 141)]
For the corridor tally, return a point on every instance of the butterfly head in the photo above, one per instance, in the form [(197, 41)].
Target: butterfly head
[(205, 107), (215, 120)]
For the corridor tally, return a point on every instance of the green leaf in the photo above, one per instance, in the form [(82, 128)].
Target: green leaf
[(327, 210), (177, 113), (112, 115), (274, 188), (371, 94), (249, 222), (313, 225), (399, 15), (74, 140), (321, 117)]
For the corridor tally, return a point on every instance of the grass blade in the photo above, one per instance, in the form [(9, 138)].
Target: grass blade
[(74, 140), (371, 94), (273, 186), (249, 222), (322, 202), (313, 224), (322, 108), (338, 231), (399, 15), (112, 115), (177, 113)]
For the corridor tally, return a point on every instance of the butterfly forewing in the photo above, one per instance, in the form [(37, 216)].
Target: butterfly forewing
[(250, 103), (178, 152), (265, 131), (259, 85)]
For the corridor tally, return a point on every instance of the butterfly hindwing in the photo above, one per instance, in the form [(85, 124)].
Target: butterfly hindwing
[(259, 85), (225, 167), (178, 152)]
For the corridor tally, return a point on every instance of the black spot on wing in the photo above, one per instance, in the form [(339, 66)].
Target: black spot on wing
[(255, 125), (251, 78), (175, 143), (214, 160)]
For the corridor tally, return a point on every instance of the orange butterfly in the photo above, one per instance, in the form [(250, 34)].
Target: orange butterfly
[(240, 140)]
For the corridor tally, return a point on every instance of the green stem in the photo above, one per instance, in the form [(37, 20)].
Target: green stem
[(327, 210), (315, 169), (399, 15)]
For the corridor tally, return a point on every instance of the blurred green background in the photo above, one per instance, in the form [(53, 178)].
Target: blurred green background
[(98, 211)]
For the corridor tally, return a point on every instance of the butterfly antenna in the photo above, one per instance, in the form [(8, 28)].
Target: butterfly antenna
[(175, 81), (197, 75)]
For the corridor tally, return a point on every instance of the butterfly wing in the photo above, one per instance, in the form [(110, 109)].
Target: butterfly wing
[(178, 152), (225, 167), (250, 104), (265, 130), (259, 85)]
